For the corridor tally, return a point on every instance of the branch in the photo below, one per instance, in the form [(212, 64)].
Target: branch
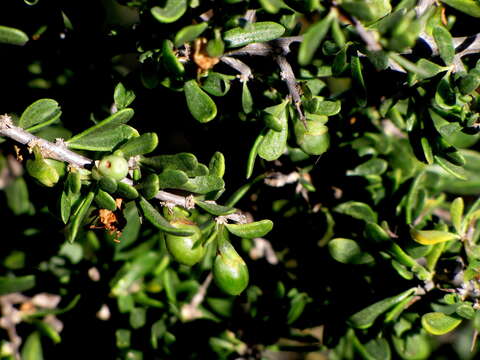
[(58, 151)]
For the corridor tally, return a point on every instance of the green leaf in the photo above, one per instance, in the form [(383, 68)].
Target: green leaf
[(450, 168), (247, 100), (138, 317), (274, 142), (157, 220), (217, 84), (366, 317), (105, 201), (378, 349), (252, 33), (108, 184), (122, 337), (444, 41), (122, 97), (357, 210), (171, 12), (373, 166), (9, 35), (172, 179), (438, 323), (469, 7), (456, 212), (170, 61), (78, 217), (17, 196), (105, 135), (139, 145), (189, 33), (185, 162), (149, 187), (430, 69), (215, 209), (32, 349), (313, 38), (431, 237), (127, 191), (297, 306), (134, 271), (41, 113), (9, 284), (251, 230), (203, 184), (347, 251), (359, 88), (252, 155), (216, 165), (201, 106)]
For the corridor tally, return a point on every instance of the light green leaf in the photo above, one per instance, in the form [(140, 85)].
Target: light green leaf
[(431, 237), (357, 210), (171, 12), (253, 32), (251, 230), (9, 35), (456, 212), (469, 7), (189, 33), (347, 251), (32, 349), (444, 41), (438, 323)]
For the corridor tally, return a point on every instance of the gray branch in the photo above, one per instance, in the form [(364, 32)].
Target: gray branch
[(58, 151)]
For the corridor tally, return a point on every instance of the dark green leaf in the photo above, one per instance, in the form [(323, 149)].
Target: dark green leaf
[(10, 284), (365, 318), (41, 113), (313, 38), (201, 106), (215, 209)]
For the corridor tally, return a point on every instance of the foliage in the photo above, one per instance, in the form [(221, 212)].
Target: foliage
[(270, 178)]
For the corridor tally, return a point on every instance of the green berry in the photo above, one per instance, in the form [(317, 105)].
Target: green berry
[(229, 270), (182, 247), (113, 166)]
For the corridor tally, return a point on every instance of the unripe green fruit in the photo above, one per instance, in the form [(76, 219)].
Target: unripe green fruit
[(314, 139), (181, 247), (229, 270), (113, 166)]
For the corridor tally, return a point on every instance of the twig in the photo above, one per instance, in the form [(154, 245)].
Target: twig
[(287, 75), (190, 311), (58, 151), (240, 66)]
